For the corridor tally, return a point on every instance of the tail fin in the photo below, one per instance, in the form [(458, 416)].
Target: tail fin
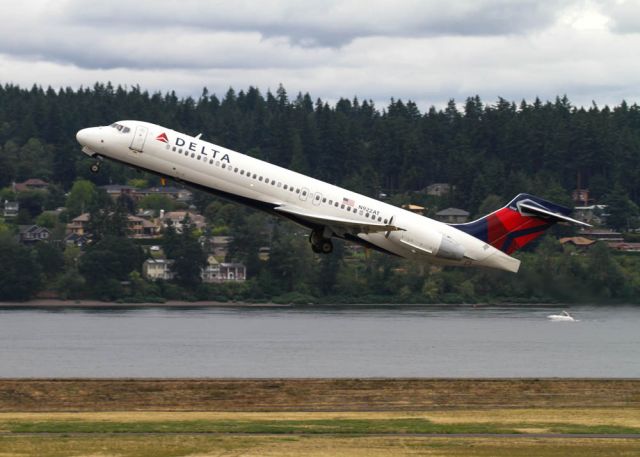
[(521, 221)]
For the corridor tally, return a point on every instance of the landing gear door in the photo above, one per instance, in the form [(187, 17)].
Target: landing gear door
[(139, 137)]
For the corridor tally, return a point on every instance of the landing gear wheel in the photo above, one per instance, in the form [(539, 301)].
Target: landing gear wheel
[(95, 167), (320, 244), (326, 246)]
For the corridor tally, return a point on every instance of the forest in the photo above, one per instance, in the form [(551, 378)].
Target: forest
[(486, 152)]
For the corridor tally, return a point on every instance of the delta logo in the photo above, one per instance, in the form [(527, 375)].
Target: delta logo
[(163, 138)]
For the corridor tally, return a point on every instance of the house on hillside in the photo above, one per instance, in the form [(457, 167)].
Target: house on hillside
[(601, 234), (79, 225), (73, 239), (155, 269), (232, 272), (29, 234), (220, 245), (592, 214), (10, 209), (116, 190), (223, 272), (579, 242), (211, 272), (30, 184), (438, 189), (176, 218), (138, 227), (414, 208), (581, 197), (452, 216), (624, 246)]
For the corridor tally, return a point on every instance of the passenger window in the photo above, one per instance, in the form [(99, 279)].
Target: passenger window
[(379, 219), (297, 191), (336, 204), (235, 170), (385, 221), (192, 155), (174, 149), (285, 186), (168, 147), (266, 180), (126, 130), (317, 197), (324, 200), (241, 172), (224, 165), (279, 184), (366, 215), (211, 162), (218, 164), (341, 206), (254, 176), (260, 178)]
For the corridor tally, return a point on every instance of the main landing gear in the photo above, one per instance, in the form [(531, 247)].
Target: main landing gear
[(320, 244)]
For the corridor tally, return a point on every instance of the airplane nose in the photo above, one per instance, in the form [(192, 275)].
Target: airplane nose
[(83, 137)]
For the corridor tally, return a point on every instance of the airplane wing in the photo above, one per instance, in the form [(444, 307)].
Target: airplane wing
[(530, 207), (337, 224)]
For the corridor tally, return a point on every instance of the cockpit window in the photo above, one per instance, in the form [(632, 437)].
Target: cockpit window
[(120, 128)]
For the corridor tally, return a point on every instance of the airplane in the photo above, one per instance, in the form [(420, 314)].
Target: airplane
[(328, 211)]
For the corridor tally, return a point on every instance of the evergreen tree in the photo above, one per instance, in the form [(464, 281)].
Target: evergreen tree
[(186, 252)]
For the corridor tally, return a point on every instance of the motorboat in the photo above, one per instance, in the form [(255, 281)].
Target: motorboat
[(563, 316)]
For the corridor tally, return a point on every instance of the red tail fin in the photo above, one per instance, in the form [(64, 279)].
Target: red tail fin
[(521, 221)]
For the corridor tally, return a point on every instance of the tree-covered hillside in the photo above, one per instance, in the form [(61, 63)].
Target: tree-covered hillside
[(487, 153), (500, 148)]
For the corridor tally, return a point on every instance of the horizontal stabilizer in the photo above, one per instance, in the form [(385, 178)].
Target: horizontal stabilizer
[(531, 208)]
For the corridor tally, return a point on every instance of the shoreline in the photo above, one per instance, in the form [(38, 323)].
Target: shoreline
[(46, 303)]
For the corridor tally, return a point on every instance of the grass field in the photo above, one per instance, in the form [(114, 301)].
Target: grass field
[(324, 418)]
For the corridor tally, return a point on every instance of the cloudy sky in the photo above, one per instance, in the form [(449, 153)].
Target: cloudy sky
[(425, 50)]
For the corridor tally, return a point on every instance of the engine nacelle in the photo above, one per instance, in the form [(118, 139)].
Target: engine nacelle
[(450, 249)]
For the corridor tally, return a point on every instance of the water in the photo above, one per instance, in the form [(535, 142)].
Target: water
[(515, 341)]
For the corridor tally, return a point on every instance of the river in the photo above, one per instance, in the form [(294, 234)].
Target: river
[(355, 341)]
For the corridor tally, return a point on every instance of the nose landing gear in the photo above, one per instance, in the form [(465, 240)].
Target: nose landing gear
[(320, 244), (95, 166)]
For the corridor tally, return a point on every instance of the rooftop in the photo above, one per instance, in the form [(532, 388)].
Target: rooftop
[(452, 212)]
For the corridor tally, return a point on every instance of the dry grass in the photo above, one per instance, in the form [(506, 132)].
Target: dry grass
[(252, 446), (313, 394), (529, 405), (624, 417)]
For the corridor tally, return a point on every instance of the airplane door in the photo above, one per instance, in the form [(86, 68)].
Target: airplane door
[(139, 137), (304, 193), (316, 199)]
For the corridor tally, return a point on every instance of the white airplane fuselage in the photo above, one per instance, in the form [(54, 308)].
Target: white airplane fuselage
[(329, 210)]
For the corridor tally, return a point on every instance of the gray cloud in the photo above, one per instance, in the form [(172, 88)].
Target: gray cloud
[(424, 50), (625, 16), (328, 23)]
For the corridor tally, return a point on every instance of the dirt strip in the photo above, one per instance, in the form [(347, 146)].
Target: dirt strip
[(26, 395)]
